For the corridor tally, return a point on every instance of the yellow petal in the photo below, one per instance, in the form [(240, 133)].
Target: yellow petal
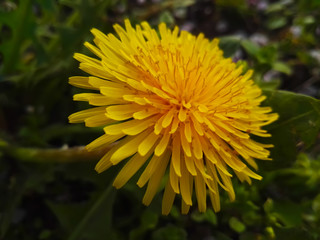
[(184, 207), (189, 161), (200, 188), (119, 116), (197, 126), (79, 117), (98, 83), (168, 198), (251, 174), (201, 168), (185, 184), (138, 126), (162, 145), (83, 58), (175, 159), (98, 120), (122, 111), (104, 101), (105, 162), (197, 147), (130, 168), (168, 118), (187, 131), (94, 69), (228, 184), (208, 151), (103, 141), (81, 82), (214, 171), (84, 96), (147, 143), (215, 200), (174, 125), (151, 168), (94, 50), (115, 92), (147, 112), (155, 180), (129, 148), (185, 144), (174, 179), (252, 163), (182, 114)]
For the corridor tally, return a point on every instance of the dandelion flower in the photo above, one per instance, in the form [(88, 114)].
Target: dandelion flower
[(171, 103)]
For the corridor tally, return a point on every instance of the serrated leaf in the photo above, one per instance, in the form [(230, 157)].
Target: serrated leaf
[(299, 121)]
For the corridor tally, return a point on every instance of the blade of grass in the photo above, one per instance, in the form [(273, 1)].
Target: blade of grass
[(103, 205)]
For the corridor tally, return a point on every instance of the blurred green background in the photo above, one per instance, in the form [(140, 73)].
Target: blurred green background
[(49, 190)]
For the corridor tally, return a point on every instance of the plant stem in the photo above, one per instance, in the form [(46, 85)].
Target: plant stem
[(57, 155)]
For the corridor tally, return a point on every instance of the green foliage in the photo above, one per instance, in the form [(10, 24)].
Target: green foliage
[(298, 124), (170, 233), (50, 191), (237, 225)]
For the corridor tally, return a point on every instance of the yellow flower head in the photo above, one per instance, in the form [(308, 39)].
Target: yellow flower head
[(170, 100)]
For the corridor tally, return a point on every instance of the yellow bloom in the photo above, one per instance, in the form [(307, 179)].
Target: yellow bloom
[(172, 101)]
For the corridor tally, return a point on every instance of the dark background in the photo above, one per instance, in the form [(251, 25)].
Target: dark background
[(49, 190)]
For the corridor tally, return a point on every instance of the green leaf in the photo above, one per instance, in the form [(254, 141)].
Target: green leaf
[(277, 22), (236, 225), (149, 220), (271, 85), (45, 234), (10, 203), (169, 233), (96, 223), (239, 4), (293, 234), (299, 122), (290, 214), (22, 28), (229, 45), (250, 47), (268, 54), (282, 67), (69, 214), (208, 216), (183, 3), (221, 236), (275, 7), (167, 18), (316, 204), (286, 213), (250, 236)]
